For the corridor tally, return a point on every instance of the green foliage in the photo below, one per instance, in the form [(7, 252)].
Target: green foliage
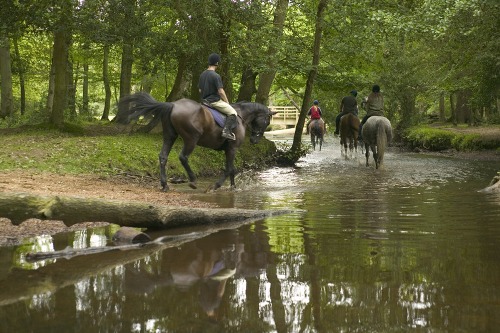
[(285, 156), (415, 50), (429, 138), (436, 139)]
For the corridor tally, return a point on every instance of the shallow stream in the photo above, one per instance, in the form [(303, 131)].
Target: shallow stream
[(412, 247)]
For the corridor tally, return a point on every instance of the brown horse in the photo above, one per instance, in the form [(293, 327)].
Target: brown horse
[(349, 127), (317, 130), (196, 126)]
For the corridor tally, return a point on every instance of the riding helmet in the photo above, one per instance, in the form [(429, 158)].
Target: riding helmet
[(376, 88), (354, 93), (213, 59), (315, 102)]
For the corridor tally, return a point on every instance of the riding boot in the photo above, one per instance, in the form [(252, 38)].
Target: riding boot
[(227, 132), (360, 137)]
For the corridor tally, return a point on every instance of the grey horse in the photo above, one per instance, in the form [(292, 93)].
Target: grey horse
[(377, 134)]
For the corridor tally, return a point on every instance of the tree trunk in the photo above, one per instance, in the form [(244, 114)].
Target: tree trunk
[(463, 111), (7, 103), (247, 85), (21, 69), (453, 110), (60, 59), (50, 89), (407, 98), (85, 90), (442, 116), (180, 83), (196, 71), (105, 79), (126, 69), (313, 72), (70, 210), (266, 78), (72, 81)]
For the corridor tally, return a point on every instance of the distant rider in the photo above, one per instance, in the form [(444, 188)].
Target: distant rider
[(374, 106), (347, 105), (315, 113)]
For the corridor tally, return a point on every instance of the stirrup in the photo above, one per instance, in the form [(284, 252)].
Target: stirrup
[(228, 135)]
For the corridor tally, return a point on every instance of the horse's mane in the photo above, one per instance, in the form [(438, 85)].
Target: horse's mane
[(250, 105)]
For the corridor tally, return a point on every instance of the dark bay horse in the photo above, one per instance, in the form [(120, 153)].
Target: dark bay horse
[(196, 126), (349, 127), (317, 129), (377, 134)]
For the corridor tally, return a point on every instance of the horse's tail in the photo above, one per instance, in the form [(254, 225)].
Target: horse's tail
[(140, 104), (381, 139)]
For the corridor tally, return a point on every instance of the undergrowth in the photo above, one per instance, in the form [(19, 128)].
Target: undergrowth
[(436, 139), (69, 152)]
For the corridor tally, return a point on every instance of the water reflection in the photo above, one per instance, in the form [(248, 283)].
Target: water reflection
[(412, 247)]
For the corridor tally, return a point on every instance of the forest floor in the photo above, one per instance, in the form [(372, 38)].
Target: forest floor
[(132, 189)]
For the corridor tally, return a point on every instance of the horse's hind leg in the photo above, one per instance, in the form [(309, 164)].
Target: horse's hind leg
[(168, 142), (380, 158), (184, 157), (367, 154)]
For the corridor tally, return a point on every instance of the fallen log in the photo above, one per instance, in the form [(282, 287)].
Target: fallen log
[(128, 235), (71, 210), (494, 185), (69, 252)]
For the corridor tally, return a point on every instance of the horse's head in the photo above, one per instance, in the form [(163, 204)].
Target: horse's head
[(260, 122)]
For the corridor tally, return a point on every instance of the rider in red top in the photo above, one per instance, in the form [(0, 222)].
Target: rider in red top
[(315, 111), (315, 114)]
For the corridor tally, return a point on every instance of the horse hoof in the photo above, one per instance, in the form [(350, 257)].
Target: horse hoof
[(193, 185), (164, 189)]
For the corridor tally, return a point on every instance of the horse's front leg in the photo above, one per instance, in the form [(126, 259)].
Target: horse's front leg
[(229, 171)]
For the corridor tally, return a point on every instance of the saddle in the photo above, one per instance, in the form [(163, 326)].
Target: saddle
[(219, 117)]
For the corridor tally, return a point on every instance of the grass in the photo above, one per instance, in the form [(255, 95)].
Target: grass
[(52, 151)]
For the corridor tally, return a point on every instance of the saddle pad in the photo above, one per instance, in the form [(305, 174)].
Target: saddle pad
[(220, 119)]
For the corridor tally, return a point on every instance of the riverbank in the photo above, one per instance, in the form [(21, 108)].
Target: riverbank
[(126, 186)]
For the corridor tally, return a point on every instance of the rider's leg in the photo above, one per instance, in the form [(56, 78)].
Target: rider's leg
[(363, 121), (337, 123), (231, 120)]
